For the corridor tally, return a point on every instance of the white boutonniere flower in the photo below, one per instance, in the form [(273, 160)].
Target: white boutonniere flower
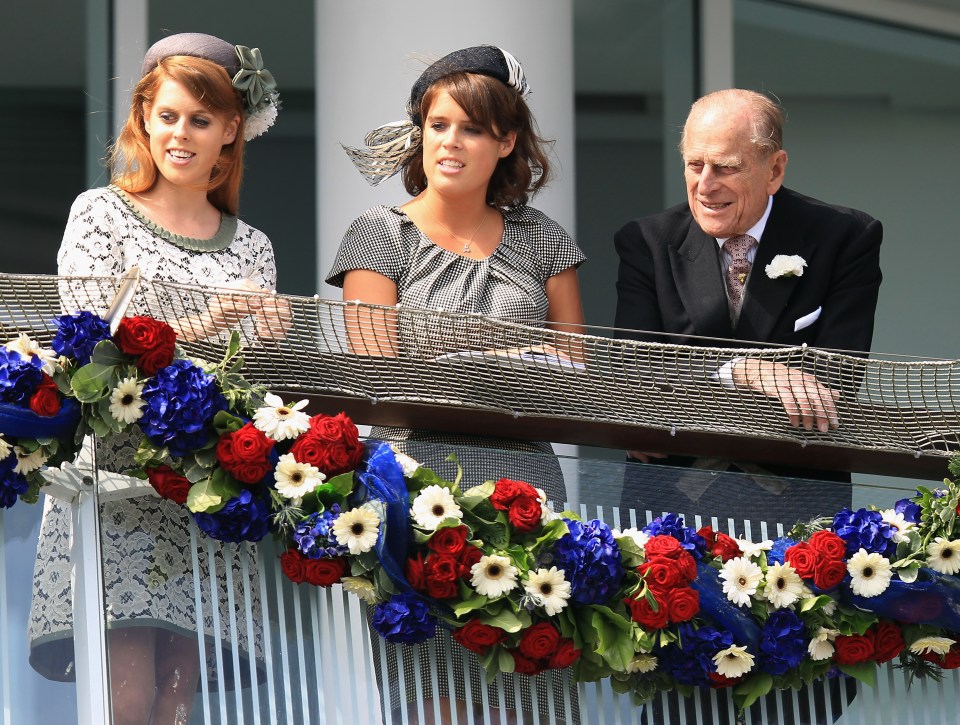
[(786, 265)]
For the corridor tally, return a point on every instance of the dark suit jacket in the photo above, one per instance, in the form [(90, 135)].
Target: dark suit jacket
[(671, 281)]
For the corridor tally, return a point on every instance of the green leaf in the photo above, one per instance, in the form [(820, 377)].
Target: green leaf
[(478, 601), (505, 620), (93, 381), (752, 689), (107, 353), (226, 422), (614, 643), (863, 671), (203, 497)]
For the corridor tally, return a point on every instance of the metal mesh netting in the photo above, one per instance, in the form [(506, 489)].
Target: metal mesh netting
[(305, 345)]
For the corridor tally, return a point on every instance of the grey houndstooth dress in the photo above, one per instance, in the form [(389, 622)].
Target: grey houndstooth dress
[(510, 284)]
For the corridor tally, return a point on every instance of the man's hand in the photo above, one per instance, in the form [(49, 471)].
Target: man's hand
[(807, 401)]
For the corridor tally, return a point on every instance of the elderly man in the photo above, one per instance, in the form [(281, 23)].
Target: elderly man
[(699, 270), (687, 271)]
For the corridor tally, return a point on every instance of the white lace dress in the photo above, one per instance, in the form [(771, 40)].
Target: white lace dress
[(148, 559)]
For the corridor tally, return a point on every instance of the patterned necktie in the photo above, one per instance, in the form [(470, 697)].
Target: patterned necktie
[(738, 248)]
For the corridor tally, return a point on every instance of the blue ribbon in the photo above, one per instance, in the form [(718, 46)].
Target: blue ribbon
[(382, 479), (715, 606), (933, 598), (19, 422)]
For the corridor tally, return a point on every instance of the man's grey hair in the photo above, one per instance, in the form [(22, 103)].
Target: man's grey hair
[(767, 114)]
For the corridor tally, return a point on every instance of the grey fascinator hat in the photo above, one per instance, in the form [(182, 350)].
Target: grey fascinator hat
[(390, 146), (253, 82)]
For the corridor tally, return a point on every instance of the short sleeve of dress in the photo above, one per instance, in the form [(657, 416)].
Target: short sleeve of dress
[(92, 243), (550, 241), (264, 269), (374, 241)]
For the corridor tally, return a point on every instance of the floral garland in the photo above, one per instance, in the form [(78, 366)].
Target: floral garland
[(525, 588)]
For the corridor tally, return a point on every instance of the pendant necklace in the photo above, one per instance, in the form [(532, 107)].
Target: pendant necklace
[(467, 249)]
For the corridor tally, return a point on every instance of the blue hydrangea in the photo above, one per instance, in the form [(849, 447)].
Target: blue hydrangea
[(405, 619), (12, 484), (181, 401), (864, 529), (590, 559), (690, 660), (779, 549), (244, 518), (78, 334), (672, 525), (314, 535), (783, 643), (19, 377), (909, 509)]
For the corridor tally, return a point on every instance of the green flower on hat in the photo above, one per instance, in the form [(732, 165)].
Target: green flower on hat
[(259, 91)]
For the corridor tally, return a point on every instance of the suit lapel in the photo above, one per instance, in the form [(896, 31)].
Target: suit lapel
[(767, 298), (699, 281)]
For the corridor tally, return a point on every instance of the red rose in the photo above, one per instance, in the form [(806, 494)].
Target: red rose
[(565, 655), (438, 589), (293, 564), (169, 484), (524, 513), (441, 567), (682, 604), (449, 540), (887, 641), (661, 573), (951, 660), (663, 546), (471, 555), (523, 665), (853, 648), (415, 573), (539, 641), (718, 681), (687, 565), (829, 573), (478, 637), (149, 339), (45, 400), (828, 544), (641, 611), (332, 458), (719, 544), (243, 454), (335, 428), (324, 572), (802, 558), (505, 491)]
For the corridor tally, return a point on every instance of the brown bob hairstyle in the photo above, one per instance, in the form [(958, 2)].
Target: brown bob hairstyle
[(499, 110), (132, 165)]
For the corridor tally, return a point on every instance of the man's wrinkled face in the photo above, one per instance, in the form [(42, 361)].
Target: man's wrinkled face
[(728, 179)]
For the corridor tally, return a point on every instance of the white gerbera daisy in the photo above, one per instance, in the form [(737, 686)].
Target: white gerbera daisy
[(408, 465), (357, 529), (821, 644), (869, 572), (5, 448), (733, 661), (493, 576), (28, 348), (899, 524), (943, 556), (937, 645), (294, 480), (640, 537), (279, 421), (361, 587), (783, 585), (740, 580), (752, 550), (642, 663), (434, 504), (549, 588), (28, 462), (126, 403)]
